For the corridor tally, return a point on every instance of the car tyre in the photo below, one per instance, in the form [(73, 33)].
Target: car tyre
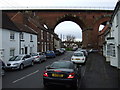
[(39, 61), (21, 67), (76, 85), (32, 63)]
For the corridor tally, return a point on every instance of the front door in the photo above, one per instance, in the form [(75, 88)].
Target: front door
[(26, 50)]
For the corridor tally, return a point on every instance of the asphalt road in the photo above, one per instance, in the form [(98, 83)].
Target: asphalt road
[(95, 74)]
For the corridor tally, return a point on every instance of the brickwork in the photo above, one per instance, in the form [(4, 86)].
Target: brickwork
[(88, 20)]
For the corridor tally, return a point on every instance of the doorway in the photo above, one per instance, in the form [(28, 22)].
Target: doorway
[(26, 50)]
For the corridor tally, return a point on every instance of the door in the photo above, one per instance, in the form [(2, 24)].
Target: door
[(26, 50)]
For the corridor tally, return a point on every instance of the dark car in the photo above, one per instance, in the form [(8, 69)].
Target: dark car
[(63, 73), (57, 52), (50, 54)]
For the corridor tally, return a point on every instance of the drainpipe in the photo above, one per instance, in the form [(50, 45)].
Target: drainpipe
[(20, 42)]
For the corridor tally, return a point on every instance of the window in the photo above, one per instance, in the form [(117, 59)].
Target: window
[(47, 36), (41, 34), (22, 36), (12, 52), (12, 35), (31, 38), (117, 19), (108, 50), (113, 50)]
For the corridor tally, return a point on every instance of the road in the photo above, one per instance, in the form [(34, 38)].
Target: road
[(94, 74)]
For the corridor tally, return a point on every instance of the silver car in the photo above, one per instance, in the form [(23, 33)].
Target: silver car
[(39, 57), (20, 61)]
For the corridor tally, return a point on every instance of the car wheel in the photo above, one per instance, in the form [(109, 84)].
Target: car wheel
[(76, 85), (32, 63), (21, 67), (39, 61)]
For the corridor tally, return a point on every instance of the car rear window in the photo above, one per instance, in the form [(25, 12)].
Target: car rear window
[(66, 65), (78, 54)]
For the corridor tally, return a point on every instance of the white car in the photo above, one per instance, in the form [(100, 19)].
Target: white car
[(78, 57)]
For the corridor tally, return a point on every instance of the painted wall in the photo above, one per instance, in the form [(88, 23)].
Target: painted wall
[(29, 44), (8, 44)]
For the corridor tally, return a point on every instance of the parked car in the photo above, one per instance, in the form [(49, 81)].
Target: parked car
[(78, 57), (20, 61), (64, 50), (61, 51), (2, 69), (50, 54), (39, 57), (57, 52), (61, 73), (85, 52)]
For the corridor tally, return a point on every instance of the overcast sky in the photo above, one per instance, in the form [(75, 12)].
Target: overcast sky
[(63, 28), (57, 3)]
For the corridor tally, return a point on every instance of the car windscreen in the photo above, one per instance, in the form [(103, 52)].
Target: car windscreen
[(34, 54), (78, 54), (15, 58), (66, 65)]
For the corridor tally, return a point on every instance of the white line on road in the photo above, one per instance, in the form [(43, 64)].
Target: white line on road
[(84, 71), (25, 76)]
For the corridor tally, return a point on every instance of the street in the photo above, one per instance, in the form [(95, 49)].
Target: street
[(95, 74)]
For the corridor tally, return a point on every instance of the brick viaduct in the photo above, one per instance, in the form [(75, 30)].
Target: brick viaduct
[(88, 20)]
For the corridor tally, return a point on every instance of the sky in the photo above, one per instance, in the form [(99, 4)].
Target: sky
[(63, 28)]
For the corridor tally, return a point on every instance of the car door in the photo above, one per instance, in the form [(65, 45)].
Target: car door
[(27, 60)]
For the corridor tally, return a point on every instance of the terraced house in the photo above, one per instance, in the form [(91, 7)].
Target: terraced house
[(32, 34), (111, 47), (16, 39)]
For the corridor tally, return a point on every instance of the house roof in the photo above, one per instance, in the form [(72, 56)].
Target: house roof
[(8, 24), (25, 28)]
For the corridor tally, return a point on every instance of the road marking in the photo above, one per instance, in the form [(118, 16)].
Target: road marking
[(25, 76), (84, 71)]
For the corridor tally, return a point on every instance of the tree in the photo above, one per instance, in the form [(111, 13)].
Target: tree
[(70, 39)]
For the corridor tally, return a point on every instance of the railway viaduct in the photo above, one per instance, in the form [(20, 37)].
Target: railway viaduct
[(88, 20)]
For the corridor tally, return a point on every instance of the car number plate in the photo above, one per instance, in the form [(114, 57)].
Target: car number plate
[(77, 59), (57, 75)]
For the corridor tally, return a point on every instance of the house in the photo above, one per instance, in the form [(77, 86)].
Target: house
[(9, 38), (16, 38), (112, 38)]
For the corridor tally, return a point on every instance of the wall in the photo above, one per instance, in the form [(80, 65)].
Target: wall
[(27, 43), (0, 43), (7, 44)]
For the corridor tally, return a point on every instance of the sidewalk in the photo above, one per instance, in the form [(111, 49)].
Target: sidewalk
[(99, 74)]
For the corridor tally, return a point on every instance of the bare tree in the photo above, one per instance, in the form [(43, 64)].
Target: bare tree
[(70, 39)]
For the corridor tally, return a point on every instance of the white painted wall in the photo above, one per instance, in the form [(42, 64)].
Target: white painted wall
[(57, 43), (7, 44), (114, 33), (0, 43), (28, 44)]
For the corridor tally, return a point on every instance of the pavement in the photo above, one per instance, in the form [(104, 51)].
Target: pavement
[(99, 73)]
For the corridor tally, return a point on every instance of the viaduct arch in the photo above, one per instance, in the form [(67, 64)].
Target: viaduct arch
[(88, 20)]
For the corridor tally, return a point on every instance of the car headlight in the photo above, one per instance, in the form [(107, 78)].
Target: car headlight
[(16, 64)]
